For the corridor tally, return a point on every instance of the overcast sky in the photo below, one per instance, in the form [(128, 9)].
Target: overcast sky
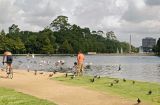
[(138, 18)]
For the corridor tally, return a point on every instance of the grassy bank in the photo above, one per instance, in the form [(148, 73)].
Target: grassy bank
[(11, 97), (127, 89)]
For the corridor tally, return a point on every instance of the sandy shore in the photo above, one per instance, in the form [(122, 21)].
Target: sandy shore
[(42, 87)]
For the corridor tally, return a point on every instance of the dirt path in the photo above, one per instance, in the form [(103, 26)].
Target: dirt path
[(41, 87)]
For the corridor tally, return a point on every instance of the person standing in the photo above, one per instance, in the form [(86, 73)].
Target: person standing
[(80, 60)]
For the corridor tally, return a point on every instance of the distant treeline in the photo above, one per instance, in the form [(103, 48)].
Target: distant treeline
[(60, 37), (156, 48)]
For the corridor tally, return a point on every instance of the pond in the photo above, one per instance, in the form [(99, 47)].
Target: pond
[(143, 68)]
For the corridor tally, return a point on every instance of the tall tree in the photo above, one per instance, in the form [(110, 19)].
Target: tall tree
[(66, 47), (61, 22), (158, 46), (13, 29), (2, 33)]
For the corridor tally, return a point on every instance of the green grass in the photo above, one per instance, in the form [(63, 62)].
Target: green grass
[(126, 89), (11, 97)]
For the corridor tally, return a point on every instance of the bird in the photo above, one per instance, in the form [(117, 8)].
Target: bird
[(41, 73), (124, 80), (95, 76), (72, 77), (92, 80), (50, 75), (117, 81), (133, 82), (111, 84), (119, 68), (35, 72), (2, 69), (149, 92), (54, 72), (138, 101), (66, 75), (99, 77)]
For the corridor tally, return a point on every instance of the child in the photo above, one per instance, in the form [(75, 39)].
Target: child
[(74, 69)]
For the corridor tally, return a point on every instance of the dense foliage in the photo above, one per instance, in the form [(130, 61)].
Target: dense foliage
[(156, 48), (60, 37)]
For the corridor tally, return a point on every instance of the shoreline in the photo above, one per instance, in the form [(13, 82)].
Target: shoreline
[(98, 54)]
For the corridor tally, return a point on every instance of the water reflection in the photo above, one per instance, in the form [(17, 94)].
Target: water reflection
[(145, 68)]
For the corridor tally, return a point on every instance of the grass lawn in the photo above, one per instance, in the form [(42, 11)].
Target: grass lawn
[(127, 89), (11, 97)]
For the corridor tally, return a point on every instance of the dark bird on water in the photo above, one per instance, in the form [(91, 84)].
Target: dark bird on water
[(119, 68), (138, 101), (149, 92)]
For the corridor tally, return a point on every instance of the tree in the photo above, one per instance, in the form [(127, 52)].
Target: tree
[(158, 47), (47, 47), (18, 45), (2, 33), (66, 48), (14, 29), (61, 22), (64, 38), (111, 35)]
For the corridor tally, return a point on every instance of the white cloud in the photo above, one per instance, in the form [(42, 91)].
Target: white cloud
[(124, 17)]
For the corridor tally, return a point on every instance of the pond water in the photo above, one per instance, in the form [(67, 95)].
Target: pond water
[(143, 68)]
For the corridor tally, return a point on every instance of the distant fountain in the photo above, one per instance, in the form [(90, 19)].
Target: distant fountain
[(140, 49), (32, 55), (121, 50), (117, 51)]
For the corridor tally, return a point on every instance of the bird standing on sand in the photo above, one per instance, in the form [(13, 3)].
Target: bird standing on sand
[(54, 72), (50, 75), (138, 101), (35, 72)]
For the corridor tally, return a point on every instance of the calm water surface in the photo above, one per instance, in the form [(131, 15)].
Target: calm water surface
[(143, 68)]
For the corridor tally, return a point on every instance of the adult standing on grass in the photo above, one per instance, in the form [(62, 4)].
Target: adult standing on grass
[(80, 60)]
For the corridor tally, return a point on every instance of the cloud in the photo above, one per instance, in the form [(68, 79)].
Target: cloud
[(124, 17), (153, 2)]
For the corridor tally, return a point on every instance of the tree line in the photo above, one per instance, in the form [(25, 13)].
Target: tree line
[(60, 37), (156, 48)]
